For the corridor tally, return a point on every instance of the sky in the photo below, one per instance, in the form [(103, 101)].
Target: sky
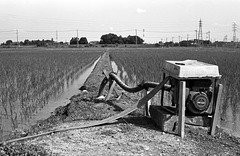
[(152, 20)]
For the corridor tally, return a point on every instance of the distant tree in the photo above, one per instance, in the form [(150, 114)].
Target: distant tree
[(83, 40), (176, 44), (114, 39), (161, 44), (206, 42), (74, 40), (134, 40), (168, 44), (40, 43), (26, 42), (121, 39), (157, 45), (9, 42), (49, 42), (125, 40), (109, 39)]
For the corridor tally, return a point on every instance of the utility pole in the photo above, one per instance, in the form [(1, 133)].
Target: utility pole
[(143, 34), (77, 39), (56, 36), (225, 38), (208, 38), (234, 32), (17, 38), (179, 38), (209, 35), (196, 41), (136, 35), (187, 39)]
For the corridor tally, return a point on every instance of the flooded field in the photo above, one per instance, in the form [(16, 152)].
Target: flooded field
[(71, 87), (34, 82)]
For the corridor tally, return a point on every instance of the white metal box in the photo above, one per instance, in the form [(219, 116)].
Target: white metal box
[(190, 69)]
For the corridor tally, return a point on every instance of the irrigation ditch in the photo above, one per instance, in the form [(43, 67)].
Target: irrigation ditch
[(133, 134), (60, 97)]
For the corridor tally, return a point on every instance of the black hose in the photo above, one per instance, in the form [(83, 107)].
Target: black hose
[(138, 88), (144, 85)]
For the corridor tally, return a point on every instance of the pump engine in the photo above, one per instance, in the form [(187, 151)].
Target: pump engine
[(200, 81), (198, 95)]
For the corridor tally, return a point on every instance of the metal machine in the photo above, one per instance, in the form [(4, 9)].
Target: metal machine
[(201, 81), (193, 86)]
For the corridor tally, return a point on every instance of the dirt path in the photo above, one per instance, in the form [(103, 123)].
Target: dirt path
[(131, 135)]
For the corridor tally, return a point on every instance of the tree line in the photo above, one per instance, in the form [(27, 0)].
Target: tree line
[(26, 42), (110, 39), (105, 39), (114, 39)]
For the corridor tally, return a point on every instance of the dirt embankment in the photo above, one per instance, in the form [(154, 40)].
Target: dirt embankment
[(131, 135)]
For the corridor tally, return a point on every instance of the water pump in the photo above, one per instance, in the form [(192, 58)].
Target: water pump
[(200, 81), (199, 95)]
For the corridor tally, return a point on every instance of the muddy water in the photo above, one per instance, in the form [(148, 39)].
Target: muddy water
[(70, 88), (62, 97)]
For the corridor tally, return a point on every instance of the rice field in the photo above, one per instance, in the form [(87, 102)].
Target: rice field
[(29, 77), (146, 65)]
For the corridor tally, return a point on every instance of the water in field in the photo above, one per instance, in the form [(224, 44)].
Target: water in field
[(60, 97)]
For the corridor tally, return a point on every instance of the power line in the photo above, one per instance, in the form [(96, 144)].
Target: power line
[(80, 30), (234, 32), (200, 37), (146, 33), (41, 31), (170, 31), (6, 31)]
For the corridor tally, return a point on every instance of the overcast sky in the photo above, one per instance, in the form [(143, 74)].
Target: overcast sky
[(152, 20)]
